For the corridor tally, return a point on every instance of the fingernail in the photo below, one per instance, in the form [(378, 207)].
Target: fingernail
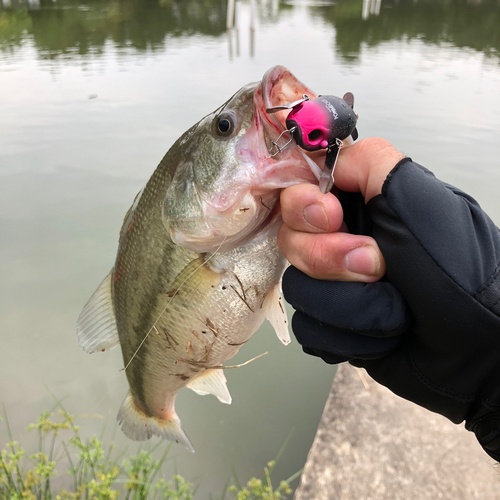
[(363, 260), (315, 216)]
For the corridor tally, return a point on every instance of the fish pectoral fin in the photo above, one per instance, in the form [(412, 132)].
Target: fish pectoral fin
[(195, 275), (96, 326), (211, 382), (138, 426), (274, 306)]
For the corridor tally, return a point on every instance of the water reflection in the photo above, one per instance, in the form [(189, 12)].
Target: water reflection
[(371, 8), (73, 29), (234, 25), (462, 23)]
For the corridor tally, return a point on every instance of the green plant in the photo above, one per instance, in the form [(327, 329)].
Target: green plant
[(95, 475), (257, 489)]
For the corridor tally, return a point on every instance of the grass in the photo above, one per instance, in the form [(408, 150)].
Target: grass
[(91, 471)]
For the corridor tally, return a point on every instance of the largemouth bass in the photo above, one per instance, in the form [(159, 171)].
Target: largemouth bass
[(198, 269)]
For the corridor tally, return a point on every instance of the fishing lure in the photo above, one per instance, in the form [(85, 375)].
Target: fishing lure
[(321, 123)]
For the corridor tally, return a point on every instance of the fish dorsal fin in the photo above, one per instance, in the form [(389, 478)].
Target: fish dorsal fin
[(130, 211), (276, 313), (96, 326), (211, 382)]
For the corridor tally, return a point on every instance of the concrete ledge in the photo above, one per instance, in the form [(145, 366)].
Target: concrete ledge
[(373, 445)]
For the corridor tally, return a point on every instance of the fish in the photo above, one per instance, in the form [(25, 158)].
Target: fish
[(198, 268)]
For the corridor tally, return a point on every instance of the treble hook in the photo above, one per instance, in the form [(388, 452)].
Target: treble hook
[(275, 143)]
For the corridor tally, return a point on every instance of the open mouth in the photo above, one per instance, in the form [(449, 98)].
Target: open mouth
[(280, 87)]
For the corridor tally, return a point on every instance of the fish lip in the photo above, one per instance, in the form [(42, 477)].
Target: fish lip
[(272, 77), (267, 84)]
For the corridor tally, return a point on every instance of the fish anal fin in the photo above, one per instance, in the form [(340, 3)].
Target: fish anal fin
[(138, 426), (96, 326), (211, 382), (274, 306)]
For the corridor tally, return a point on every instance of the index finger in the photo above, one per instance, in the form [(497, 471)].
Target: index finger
[(365, 166)]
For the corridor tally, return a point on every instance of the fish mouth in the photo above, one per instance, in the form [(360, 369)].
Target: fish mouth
[(278, 87)]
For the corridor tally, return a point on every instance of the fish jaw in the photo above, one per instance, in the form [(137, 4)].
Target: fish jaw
[(242, 200)]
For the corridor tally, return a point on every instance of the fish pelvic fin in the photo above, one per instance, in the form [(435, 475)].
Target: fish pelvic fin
[(96, 326), (138, 426), (274, 306), (211, 382)]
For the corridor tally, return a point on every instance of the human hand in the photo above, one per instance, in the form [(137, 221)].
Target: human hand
[(314, 238), (430, 331)]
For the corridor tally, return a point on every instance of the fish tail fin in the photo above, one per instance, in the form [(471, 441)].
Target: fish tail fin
[(138, 426)]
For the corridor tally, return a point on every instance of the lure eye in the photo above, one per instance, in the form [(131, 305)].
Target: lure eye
[(225, 124)]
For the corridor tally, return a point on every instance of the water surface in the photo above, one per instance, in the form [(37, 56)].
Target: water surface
[(92, 95)]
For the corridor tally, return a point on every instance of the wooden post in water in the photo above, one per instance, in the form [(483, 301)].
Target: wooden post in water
[(252, 27), (237, 27), (371, 8), (375, 10), (230, 14), (366, 9)]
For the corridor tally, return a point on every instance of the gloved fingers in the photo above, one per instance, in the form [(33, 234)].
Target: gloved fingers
[(341, 344), (417, 216), (333, 256), (374, 309), (305, 208), (327, 357)]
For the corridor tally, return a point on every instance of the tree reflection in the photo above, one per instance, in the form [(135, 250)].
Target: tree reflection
[(463, 23), (70, 27), (73, 28)]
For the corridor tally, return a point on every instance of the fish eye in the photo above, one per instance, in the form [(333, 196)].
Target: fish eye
[(225, 124)]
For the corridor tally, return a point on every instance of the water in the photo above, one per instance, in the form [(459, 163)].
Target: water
[(92, 94)]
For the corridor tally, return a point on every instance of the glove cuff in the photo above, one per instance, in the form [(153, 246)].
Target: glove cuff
[(388, 179)]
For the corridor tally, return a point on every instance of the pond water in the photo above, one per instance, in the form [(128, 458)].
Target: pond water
[(92, 95)]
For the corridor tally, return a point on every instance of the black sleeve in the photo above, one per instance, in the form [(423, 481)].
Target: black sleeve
[(439, 300)]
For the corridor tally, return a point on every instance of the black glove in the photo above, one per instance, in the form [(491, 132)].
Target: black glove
[(430, 330)]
